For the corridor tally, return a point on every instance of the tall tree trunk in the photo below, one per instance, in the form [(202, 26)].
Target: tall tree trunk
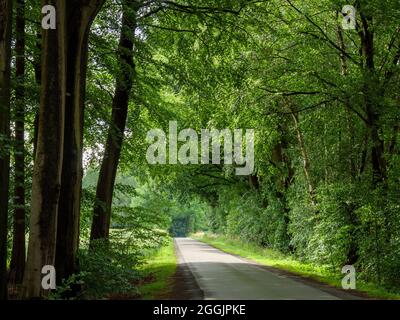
[(47, 169), (80, 15), (5, 53), (38, 78), (372, 97), (17, 264), (350, 122), (105, 185), (352, 253), (284, 176), (378, 148), (304, 153)]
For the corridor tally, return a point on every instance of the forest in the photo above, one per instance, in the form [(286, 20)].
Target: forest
[(305, 95)]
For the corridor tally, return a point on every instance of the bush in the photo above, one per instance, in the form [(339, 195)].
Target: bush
[(109, 268)]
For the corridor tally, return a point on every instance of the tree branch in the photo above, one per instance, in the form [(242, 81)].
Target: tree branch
[(325, 36)]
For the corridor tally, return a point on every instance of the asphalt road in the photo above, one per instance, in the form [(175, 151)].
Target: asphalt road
[(222, 276)]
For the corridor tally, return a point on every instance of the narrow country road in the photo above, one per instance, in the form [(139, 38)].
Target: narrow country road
[(222, 276)]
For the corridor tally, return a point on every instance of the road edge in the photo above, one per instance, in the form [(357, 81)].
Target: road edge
[(185, 285)]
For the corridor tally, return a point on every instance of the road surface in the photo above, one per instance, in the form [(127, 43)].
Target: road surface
[(222, 276)]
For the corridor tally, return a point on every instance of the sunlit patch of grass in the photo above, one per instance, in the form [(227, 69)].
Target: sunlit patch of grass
[(276, 259), (157, 273)]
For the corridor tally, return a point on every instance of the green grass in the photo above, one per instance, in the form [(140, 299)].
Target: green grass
[(158, 269), (272, 258)]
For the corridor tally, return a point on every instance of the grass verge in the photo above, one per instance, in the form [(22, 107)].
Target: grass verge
[(272, 258), (157, 273)]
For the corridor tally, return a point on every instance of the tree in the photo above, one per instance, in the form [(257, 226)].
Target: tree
[(109, 166), (49, 155), (80, 16), (59, 147), (17, 263), (5, 87)]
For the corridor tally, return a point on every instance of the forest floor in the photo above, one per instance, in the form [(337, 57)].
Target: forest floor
[(278, 262)]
